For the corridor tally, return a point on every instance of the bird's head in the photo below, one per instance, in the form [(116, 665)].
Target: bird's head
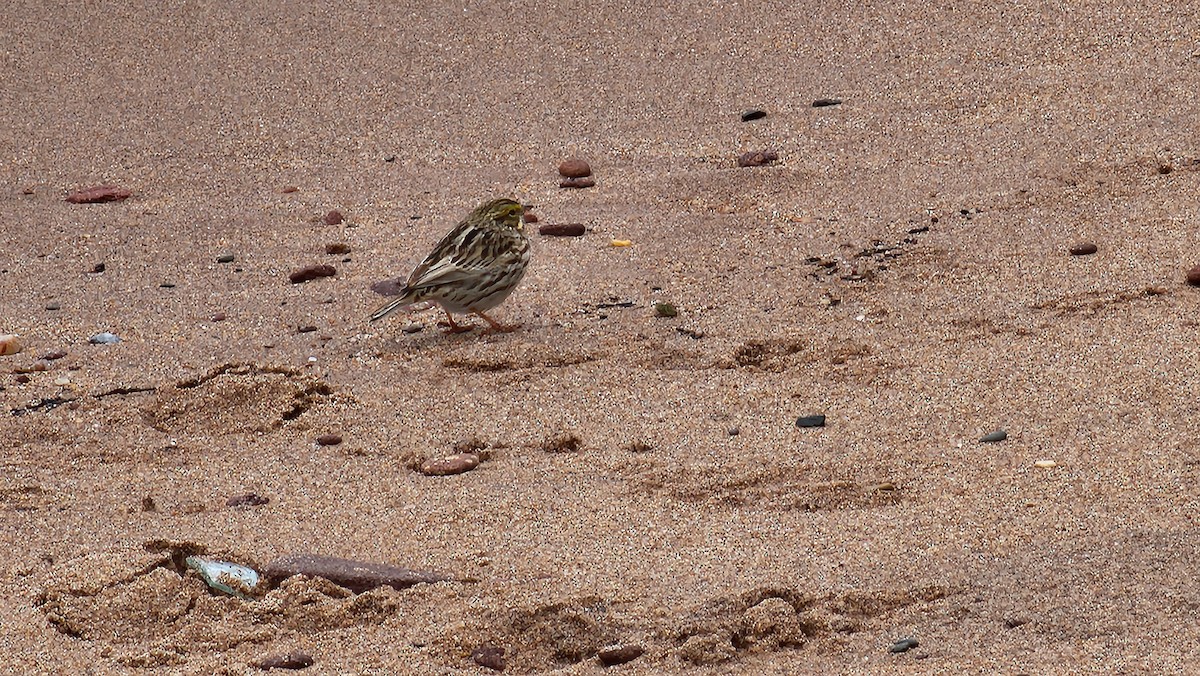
[(506, 212)]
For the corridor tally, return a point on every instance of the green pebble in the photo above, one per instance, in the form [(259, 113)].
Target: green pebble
[(665, 310)]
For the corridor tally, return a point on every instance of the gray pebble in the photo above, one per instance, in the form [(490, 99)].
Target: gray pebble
[(225, 258), (816, 420), (53, 306), (993, 437), (104, 339), (904, 645)]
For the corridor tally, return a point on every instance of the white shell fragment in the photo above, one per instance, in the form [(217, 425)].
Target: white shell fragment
[(223, 576), (9, 344), (104, 339), (1045, 464)]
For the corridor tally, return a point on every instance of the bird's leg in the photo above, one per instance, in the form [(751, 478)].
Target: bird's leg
[(454, 328), (497, 327)]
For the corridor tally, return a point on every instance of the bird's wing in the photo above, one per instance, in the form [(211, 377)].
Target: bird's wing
[(462, 254)]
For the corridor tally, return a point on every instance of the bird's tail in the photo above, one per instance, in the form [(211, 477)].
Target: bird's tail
[(391, 307)]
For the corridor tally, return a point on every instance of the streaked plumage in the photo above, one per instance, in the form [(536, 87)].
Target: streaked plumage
[(473, 268)]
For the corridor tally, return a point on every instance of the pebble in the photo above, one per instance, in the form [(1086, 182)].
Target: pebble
[(312, 272), (357, 576), (993, 437), (754, 114), (575, 168), (734, 431), (53, 306), (22, 378), (815, 420), (621, 242), (148, 504), (337, 248), (289, 189), (665, 310), (531, 217), (449, 465), (610, 657), (389, 287), (562, 230), (489, 656), (10, 344), (98, 193), (329, 439), (306, 329), (757, 158), (1084, 249), (166, 285), (1193, 276), (904, 645), (98, 268), (576, 183), (104, 339), (821, 103), (218, 317), (54, 354), (225, 258), (413, 327), (334, 217), (247, 500), (293, 660), (1045, 464), (36, 367), (62, 381)]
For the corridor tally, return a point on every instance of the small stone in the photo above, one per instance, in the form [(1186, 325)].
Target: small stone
[(489, 656), (389, 287), (757, 158), (312, 272), (562, 230), (413, 327), (449, 465), (1165, 169), (329, 439), (815, 420), (62, 381), (166, 285), (98, 193), (225, 258), (22, 378), (334, 217), (148, 504), (289, 189), (734, 431), (104, 339), (337, 248), (613, 656), (621, 243), (993, 437), (247, 500), (1193, 276), (309, 328), (822, 103), (903, 645), (357, 576), (53, 306), (575, 168), (1083, 249), (754, 114), (293, 660), (10, 343), (1045, 464), (217, 317), (530, 217), (665, 310), (98, 268), (576, 183), (54, 355)]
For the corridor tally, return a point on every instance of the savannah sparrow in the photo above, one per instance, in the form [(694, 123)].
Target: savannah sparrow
[(473, 268)]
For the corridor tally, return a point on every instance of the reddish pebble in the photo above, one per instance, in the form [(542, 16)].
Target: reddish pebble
[(489, 656), (332, 218), (247, 500), (562, 230), (620, 655), (530, 217), (217, 317), (1083, 249), (757, 158), (22, 379), (575, 168), (337, 248), (292, 660), (288, 189), (1193, 276), (54, 354), (329, 439), (576, 183), (312, 272), (451, 464), (98, 193)]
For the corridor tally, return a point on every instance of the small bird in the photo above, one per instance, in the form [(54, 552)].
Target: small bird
[(474, 268)]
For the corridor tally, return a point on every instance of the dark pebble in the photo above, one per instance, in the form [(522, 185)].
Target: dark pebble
[(816, 420), (148, 504), (166, 285), (306, 329), (1193, 276), (531, 217), (904, 645), (389, 287), (450, 465), (225, 258), (1083, 249), (292, 660), (489, 656), (734, 431), (98, 268), (389, 158), (756, 114), (413, 327), (757, 158), (357, 576), (312, 272), (821, 103), (993, 437), (332, 218), (247, 500), (53, 306), (22, 378), (1165, 169), (329, 439), (54, 354), (289, 189), (610, 657), (217, 317), (575, 168), (665, 310), (99, 193), (576, 183), (337, 248), (562, 230)]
